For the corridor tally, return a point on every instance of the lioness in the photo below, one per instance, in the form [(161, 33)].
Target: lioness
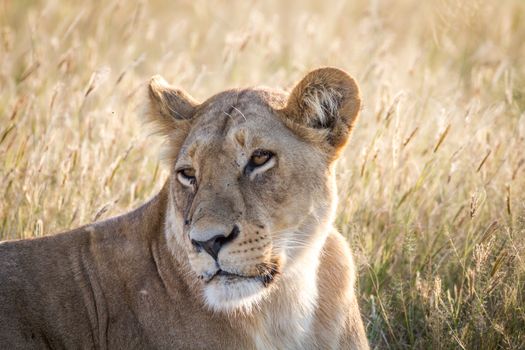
[(237, 251)]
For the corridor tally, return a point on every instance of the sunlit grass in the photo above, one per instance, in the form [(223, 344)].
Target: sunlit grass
[(432, 183)]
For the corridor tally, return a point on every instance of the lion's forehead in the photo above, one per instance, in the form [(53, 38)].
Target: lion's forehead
[(233, 108), (247, 114)]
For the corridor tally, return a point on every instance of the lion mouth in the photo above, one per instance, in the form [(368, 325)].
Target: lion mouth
[(265, 278)]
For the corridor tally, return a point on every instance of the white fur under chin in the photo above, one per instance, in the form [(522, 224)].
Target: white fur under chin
[(234, 296), (286, 321)]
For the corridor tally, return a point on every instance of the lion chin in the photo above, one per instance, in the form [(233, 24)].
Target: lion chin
[(234, 294)]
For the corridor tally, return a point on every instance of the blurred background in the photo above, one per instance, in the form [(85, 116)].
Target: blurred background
[(431, 185)]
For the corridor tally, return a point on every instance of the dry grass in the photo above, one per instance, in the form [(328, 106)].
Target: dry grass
[(432, 183)]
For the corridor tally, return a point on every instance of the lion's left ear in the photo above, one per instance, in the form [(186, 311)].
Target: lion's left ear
[(324, 104), (171, 110), (168, 107)]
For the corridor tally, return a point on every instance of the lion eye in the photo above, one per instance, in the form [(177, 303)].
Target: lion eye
[(260, 161), (260, 157), (187, 177)]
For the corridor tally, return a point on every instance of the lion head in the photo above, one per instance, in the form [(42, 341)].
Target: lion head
[(251, 187)]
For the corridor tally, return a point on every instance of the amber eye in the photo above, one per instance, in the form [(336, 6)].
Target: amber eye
[(260, 161), (187, 177), (260, 157)]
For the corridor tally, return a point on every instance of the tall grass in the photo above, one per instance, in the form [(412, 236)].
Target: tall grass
[(432, 184)]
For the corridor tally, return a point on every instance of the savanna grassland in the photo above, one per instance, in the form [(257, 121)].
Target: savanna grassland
[(432, 185)]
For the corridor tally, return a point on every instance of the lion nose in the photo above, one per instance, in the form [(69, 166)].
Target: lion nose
[(213, 245)]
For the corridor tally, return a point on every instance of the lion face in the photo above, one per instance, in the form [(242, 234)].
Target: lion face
[(243, 187), (252, 188)]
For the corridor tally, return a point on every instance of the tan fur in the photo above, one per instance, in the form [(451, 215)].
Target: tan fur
[(286, 276)]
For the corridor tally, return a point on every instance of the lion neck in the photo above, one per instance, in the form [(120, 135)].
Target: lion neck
[(284, 320)]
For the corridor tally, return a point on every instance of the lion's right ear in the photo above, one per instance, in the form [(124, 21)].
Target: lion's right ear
[(168, 106), (323, 107)]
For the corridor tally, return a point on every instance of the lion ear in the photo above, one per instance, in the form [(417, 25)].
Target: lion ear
[(324, 103), (167, 105)]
